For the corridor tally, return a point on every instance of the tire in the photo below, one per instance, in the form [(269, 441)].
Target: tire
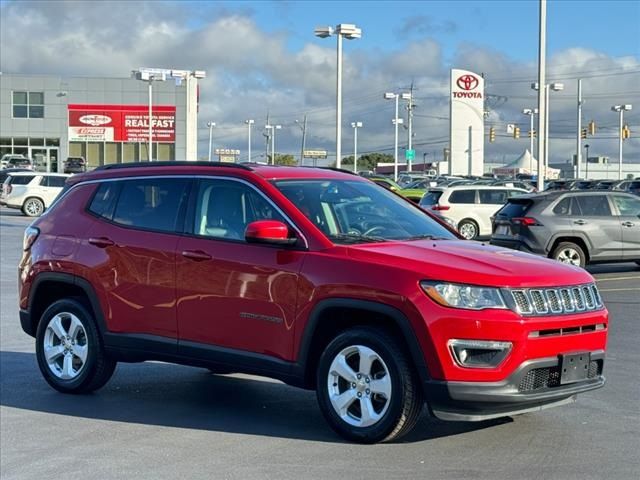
[(69, 349), (391, 415), (468, 229), (33, 207), (570, 253)]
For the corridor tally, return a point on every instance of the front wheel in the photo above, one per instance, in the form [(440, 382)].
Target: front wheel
[(69, 349), (366, 387)]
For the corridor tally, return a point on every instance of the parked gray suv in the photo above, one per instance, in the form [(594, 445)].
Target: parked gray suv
[(572, 226)]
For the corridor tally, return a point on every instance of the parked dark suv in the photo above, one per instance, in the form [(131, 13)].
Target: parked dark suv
[(75, 165), (573, 227), (316, 277)]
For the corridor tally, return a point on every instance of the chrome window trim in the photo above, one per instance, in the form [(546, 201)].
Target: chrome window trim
[(213, 177)]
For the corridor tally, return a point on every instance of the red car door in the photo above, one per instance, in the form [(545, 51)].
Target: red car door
[(231, 293)]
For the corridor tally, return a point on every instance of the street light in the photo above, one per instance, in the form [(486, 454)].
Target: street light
[(355, 126), (210, 125), (150, 75), (544, 136), (409, 98), (586, 174), (272, 129), (350, 32), (532, 112), (249, 123), (396, 121), (621, 109)]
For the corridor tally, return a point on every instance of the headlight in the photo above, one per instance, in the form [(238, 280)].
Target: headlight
[(463, 296)]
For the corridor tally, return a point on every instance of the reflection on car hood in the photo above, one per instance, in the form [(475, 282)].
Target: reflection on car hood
[(471, 262)]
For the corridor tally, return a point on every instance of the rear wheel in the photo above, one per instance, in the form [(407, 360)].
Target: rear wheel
[(468, 229), (33, 207), (570, 253), (69, 349), (366, 387)]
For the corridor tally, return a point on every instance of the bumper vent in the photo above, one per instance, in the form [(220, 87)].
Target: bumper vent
[(549, 377), (556, 301)]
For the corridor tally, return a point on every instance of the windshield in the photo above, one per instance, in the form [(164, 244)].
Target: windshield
[(358, 212)]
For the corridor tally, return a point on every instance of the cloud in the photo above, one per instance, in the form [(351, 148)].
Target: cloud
[(252, 72), (424, 25)]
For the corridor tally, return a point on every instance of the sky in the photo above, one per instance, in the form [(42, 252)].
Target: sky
[(261, 57)]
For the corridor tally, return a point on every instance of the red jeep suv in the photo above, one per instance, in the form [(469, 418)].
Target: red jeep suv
[(315, 277)]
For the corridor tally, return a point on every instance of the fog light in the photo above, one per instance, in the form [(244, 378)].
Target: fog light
[(479, 353)]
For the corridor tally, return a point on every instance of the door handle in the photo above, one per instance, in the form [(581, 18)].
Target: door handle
[(580, 222), (628, 224), (101, 242), (197, 255)]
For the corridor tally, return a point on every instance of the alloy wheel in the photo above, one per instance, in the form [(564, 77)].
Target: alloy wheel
[(570, 256), (468, 230), (65, 346)]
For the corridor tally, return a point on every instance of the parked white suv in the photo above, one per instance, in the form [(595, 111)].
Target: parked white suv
[(469, 206), (31, 192)]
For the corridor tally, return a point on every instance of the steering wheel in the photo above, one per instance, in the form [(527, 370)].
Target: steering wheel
[(373, 229)]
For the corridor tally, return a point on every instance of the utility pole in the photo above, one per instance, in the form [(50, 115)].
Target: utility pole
[(304, 137), (268, 141), (410, 119), (578, 137), (542, 80)]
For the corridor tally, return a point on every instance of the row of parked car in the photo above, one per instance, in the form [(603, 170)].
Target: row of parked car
[(70, 165), (30, 191)]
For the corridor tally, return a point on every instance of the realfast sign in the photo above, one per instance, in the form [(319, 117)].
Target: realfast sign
[(121, 123)]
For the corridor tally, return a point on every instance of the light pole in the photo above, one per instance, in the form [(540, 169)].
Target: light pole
[(532, 113), (249, 123), (396, 121), (542, 80), (621, 109), (410, 106), (355, 126), (578, 136), (556, 87), (272, 129), (586, 175), (150, 75), (210, 125), (350, 32)]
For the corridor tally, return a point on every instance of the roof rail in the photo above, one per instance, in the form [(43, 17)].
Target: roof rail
[(172, 163), (335, 169)]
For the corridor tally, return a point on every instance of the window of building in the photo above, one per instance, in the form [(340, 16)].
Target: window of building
[(151, 204), (28, 104)]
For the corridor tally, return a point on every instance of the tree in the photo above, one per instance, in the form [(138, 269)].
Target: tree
[(287, 160), (368, 161)]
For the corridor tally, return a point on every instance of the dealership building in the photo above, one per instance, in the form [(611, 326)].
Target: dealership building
[(105, 120)]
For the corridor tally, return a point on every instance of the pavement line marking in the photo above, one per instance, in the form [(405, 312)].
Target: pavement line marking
[(637, 277), (618, 290)]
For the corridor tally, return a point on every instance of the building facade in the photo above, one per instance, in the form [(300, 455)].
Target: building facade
[(104, 120)]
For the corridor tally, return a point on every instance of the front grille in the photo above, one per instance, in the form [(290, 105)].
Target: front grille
[(549, 377), (562, 300)]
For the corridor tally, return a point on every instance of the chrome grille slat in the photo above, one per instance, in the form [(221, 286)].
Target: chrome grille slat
[(556, 301)]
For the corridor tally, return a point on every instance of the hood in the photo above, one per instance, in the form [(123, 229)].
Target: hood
[(464, 261)]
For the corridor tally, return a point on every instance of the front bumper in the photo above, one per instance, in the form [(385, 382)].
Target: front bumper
[(535, 385)]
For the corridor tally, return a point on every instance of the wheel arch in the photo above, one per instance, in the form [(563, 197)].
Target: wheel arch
[(333, 316), (577, 239)]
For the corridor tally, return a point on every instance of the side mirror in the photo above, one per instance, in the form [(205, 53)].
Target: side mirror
[(269, 232)]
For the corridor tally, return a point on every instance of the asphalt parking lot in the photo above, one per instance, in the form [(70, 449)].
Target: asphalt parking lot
[(158, 421)]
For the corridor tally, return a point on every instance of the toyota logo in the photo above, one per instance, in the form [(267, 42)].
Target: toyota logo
[(467, 82)]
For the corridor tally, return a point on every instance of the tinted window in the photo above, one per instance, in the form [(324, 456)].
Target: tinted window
[(563, 207), (20, 179), (224, 208), (53, 181), (515, 208), (104, 199), (151, 204), (593, 206), (494, 197), (463, 196), (430, 198), (627, 206)]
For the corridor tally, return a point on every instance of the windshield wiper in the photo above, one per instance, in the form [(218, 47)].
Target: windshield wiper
[(427, 236), (356, 237)]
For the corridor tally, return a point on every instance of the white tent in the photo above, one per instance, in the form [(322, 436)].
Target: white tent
[(527, 164)]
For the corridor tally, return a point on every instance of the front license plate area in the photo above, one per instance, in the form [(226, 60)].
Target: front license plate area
[(574, 368)]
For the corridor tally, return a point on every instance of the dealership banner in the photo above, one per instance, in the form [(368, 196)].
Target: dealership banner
[(121, 123), (467, 123)]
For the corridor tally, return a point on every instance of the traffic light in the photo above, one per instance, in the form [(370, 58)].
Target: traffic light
[(626, 132), (492, 134), (533, 133), (516, 132), (592, 128), (583, 133)]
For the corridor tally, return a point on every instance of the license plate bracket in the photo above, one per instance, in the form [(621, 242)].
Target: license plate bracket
[(503, 230), (574, 367)]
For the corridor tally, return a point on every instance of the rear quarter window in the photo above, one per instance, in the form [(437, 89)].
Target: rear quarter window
[(431, 198), (20, 179)]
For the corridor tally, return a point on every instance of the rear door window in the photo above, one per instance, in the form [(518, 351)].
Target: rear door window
[(593, 206), (463, 196), (53, 181), (152, 204), (493, 197)]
